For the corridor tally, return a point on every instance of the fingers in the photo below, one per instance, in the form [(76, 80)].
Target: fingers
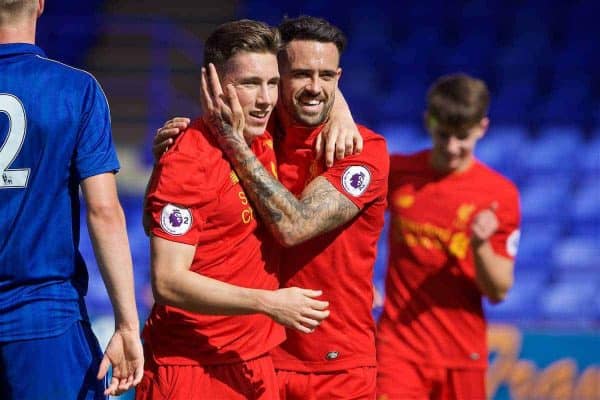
[(205, 95), (304, 329), (358, 144), (318, 304), (125, 384), (311, 292), (310, 323), (138, 374), (171, 128), (340, 151), (215, 84), (103, 369), (348, 146), (237, 113), (319, 146), (317, 316), (120, 383), (164, 137), (330, 150), (112, 387)]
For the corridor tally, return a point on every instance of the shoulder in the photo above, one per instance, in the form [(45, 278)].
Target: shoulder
[(77, 86), (494, 179), (374, 148), (70, 76), (190, 155), (370, 136)]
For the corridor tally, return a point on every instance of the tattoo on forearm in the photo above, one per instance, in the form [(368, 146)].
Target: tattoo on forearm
[(321, 209)]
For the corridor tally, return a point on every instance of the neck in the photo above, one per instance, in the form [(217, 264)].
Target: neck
[(17, 32)]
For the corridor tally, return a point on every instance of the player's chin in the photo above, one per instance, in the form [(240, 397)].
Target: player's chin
[(311, 119), (253, 131)]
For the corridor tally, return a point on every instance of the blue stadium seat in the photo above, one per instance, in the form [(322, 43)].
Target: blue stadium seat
[(589, 157), (544, 198), (586, 201), (523, 56), (521, 303), (538, 240), (554, 148), (512, 104), (570, 298), (567, 104), (577, 253), (404, 137), (500, 146)]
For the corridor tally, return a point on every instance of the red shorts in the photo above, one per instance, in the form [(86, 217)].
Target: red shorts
[(351, 384), (254, 379), (404, 380)]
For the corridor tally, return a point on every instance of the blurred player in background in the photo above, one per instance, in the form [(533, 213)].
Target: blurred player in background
[(329, 219), (56, 135), (453, 238), (214, 271)]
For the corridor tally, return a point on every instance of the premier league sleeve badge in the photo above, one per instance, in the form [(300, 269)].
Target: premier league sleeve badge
[(175, 220), (356, 179)]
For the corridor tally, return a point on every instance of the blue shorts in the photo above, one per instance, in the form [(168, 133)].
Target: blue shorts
[(58, 367)]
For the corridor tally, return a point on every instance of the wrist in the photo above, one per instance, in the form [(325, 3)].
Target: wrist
[(263, 301), (127, 326)]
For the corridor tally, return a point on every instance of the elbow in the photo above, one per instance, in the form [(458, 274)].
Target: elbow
[(289, 240), (162, 290), (498, 294), (106, 212), (497, 297)]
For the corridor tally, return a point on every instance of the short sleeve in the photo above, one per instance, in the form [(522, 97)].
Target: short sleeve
[(506, 239), (94, 153), (179, 198), (362, 177)]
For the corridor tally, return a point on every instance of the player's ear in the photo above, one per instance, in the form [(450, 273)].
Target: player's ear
[(483, 126), (41, 4)]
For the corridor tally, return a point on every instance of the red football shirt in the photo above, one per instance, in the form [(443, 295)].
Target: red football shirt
[(195, 198), (432, 313), (339, 262)]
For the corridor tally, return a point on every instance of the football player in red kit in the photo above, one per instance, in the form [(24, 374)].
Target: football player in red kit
[(214, 273), (453, 237)]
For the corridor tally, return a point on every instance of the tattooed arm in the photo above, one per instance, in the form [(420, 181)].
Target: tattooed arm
[(321, 206)]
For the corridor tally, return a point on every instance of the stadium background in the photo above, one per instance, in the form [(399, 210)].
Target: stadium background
[(541, 61)]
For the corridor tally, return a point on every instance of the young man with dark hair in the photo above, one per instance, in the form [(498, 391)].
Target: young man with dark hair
[(453, 238), (214, 273), (55, 137), (329, 220)]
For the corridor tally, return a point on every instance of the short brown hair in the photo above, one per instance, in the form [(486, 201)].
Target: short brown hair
[(10, 9), (458, 100), (233, 37), (312, 28)]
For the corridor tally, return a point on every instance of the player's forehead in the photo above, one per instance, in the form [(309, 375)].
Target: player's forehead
[(245, 64), (312, 54), (459, 132)]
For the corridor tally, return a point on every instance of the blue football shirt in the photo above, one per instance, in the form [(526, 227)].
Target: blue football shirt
[(54, 132)]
